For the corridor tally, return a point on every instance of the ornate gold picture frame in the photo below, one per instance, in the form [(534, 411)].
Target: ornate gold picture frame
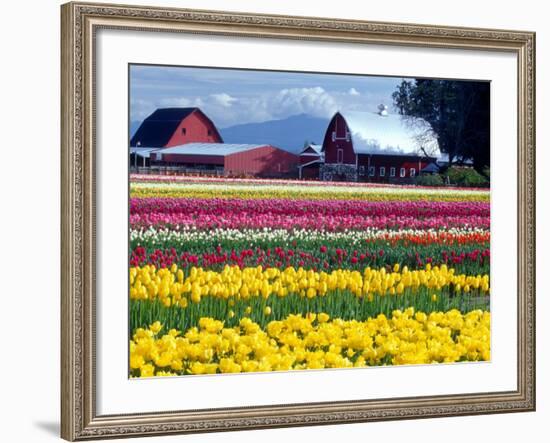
[(80, 23)]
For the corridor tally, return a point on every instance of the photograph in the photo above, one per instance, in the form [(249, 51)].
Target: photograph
[(293, 218), (285, 220)]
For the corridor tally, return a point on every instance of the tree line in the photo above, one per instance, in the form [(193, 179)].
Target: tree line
[(457, 113)]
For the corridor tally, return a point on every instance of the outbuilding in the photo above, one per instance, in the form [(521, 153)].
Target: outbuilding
[(311, 158), (140, 157), (228, 159)]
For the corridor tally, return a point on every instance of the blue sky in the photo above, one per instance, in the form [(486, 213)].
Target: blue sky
[(231, 97)]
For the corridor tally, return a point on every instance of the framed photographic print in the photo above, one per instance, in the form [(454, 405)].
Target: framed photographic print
[(281, 221)]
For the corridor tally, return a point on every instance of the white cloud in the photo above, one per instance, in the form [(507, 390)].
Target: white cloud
[(269, 105), (228, 110), (314, 101), (214, 105), (177, 102), (140, 109), (223, 99)]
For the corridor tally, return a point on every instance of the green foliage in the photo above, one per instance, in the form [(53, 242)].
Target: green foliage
[(337, 304), (464, 176), (457, 112), (429, 180), (414, 256)]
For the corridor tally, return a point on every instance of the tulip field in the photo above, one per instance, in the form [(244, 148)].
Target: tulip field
[(247, 275)]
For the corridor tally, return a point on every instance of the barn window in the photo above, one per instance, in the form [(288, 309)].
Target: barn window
[(333, 136), (392, 172), (210, 132), (183, 131), (340, 156), (348, 136), (371, 171), (402, 173), (413, 172), (382, 171), (362, 170)]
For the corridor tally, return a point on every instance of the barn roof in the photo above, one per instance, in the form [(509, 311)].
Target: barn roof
[(316, 148), (141, 151), (219, 149), (412, 156), (372, 132), (432, 167), (158, 128)]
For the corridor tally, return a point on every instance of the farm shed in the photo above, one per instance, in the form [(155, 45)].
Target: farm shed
[(140, 157), (311, 158), (431, 168), (168, 127), (232, 159)]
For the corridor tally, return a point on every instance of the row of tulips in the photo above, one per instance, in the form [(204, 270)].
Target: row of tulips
[(189, 237), (184, 295), (344, 304), (311, 342), (292, 192), (313, 208), (245, 220), (168, 179), (327, 257)]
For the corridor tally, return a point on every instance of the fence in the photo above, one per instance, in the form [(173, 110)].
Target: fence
[(176, 170)]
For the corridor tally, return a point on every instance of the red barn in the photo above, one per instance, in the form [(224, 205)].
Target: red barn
[(229, 159), (337, 144), (175, 126), (377, 158), (391, 167)]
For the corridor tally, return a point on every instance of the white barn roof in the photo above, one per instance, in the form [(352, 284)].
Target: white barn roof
[(220, 149), (317, 148), (142, 152), (372, 132)]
